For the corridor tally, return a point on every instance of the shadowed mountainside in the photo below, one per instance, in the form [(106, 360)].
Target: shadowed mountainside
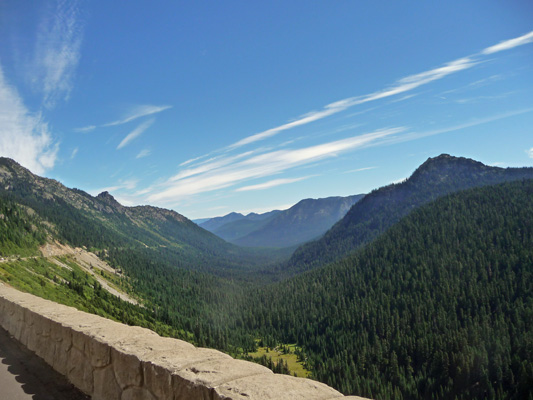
[(306, 220), (385, 206)]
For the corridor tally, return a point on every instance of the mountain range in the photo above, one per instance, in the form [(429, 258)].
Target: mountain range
[(421, 291), (306, 220), (214, 224)]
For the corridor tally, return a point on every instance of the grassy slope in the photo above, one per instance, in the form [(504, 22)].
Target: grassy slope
[(72, 286), (296, 366)]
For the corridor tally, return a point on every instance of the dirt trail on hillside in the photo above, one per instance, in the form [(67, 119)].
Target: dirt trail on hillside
[(86, 260)]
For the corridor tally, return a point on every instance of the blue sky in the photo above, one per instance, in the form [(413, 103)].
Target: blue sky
[(209, 107)]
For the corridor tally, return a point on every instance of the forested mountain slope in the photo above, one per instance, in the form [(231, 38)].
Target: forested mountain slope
[(306, 220), (383, 207), (102, 223), (438, 307), (179, 270), (30, 260)]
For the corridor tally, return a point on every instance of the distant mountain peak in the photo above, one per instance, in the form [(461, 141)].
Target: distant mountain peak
[(14, 166), (445, 166), (446, 159), (8, 161), (106, 197), (442, 157)]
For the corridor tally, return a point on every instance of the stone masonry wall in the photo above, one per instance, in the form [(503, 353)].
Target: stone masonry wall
[(112, 361)]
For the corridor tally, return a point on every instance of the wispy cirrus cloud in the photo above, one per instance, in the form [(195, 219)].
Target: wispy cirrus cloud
[(271, 184), (328, 110), (473, 85), (135, 133), (471, 123), (509, 44), (223, 173), (209, 165), (359, 169), (143, 153), (138, 112), (229, 171), (476, 99), (135, 113), (85, 129), (401, 86), (223, 168), (403, 98), (57, 52), (530, 152), (192, 160), (24, 136)]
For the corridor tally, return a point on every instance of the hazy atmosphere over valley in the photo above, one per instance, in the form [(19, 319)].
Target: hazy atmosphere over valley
[(208, 107)]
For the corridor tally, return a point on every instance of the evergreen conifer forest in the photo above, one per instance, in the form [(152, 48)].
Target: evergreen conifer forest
[(435, 304)]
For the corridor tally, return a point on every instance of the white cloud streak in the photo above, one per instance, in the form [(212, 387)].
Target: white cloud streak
[(210, 165), (360, 169), (403, 98), (135, 133), (223, 173), (227, 170), (86, 129), (271, 184), (190, 161), (328, 110), (74, 152), (530, 152), (469, 124), (138, 112), (23, 135), (509, 44), (220, 174), (57, 52), (401, 86), (135, 113), (473, 122), (129, 184), (143, 153)]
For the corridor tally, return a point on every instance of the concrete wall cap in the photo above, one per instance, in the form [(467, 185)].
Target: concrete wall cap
[(274, 386)]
